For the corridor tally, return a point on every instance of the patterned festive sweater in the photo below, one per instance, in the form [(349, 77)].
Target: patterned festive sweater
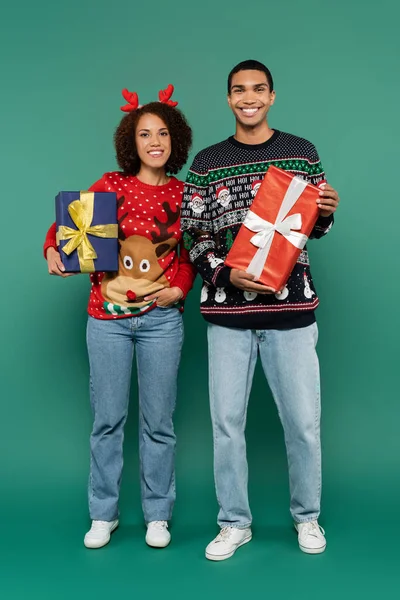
[(149, 238), (219, 190)]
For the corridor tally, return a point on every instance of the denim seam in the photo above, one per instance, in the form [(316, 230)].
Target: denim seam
[(159, 517), (212, 396), (318, 414), (308, 519), (91, 493), (228, 524)]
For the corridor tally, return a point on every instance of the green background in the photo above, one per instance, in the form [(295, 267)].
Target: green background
[(335, 66)]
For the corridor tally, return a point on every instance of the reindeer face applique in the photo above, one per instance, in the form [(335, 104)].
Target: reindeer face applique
[(142, 262)]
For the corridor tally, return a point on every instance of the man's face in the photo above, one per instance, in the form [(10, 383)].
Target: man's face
[(250, 97)]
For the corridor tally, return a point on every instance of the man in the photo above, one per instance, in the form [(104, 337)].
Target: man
[(246, 318)]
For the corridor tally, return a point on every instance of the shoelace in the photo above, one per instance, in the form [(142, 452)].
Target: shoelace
[(312, 528), (160, 525), (224, 534), (98, 525)]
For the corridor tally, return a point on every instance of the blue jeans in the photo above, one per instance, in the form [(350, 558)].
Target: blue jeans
[(157, 338), (290, 364)]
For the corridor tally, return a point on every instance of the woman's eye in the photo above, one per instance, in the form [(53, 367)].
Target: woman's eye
[(144, 265), (164, 133), (128, 262)]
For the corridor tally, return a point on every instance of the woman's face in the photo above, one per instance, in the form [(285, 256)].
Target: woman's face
[(153, 141)]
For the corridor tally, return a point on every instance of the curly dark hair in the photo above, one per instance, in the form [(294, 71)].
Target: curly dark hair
[(179, 130)]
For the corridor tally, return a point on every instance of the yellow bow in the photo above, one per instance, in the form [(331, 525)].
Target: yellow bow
[(81, 212)]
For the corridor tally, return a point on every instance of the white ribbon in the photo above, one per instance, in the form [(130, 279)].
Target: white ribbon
[(265, 231)]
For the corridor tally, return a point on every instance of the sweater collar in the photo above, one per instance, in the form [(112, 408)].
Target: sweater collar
[(250, 147)]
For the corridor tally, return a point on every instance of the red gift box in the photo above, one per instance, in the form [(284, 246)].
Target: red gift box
[(276, 228)]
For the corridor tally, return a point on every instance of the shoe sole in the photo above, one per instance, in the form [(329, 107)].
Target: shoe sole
[(158, 545), (95, 546), (216, 557), (310, 550)]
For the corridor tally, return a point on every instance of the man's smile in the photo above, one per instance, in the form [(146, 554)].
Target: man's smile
[(249, 112)]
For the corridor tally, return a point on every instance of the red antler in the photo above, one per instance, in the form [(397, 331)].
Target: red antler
[(132, 99), (165, 95)]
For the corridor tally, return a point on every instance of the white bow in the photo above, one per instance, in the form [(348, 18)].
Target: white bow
[(265, 231)]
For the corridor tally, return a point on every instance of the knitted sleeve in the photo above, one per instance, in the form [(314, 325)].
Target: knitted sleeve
[(197, 226), (317, 177), (186, 274)]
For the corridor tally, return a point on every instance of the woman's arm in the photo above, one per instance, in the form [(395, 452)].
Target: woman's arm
[(50, 250)]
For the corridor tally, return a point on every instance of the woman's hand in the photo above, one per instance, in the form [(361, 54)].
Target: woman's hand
[(54, 263), (166, 297)]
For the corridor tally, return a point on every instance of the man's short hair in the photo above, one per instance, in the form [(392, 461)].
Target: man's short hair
[(251, 65)]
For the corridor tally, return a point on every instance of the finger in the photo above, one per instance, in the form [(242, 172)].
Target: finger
[(328, 200), (329, 203), (151, 297), (329, 194), (54, 270), (259, 288), (267, 290), (164, 301), (261, 292), (327, 207), (327, 189), (59, 264)]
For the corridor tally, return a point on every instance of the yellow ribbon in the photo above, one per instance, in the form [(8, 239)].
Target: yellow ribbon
[(81, 212)]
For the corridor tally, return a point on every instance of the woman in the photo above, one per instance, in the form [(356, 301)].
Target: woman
[(138, 309)]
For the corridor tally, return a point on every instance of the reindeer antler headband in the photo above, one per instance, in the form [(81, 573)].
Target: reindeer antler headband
[(132, 98)]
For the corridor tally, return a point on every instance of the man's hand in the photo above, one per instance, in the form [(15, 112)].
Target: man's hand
[(54, 263), (328, 200), (166, 297), (244, 281)]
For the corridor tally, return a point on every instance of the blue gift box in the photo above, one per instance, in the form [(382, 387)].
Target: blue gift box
[(92, 209)]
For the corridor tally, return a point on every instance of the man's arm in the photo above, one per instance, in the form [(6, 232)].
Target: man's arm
[(328, 200), (199, 236), (197, 226)]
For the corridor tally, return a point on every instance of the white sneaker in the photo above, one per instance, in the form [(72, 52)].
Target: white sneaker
[(157, 534), (227, 542), (311, 537), (99, 533)]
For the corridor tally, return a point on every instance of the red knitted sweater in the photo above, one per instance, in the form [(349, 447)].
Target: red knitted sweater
[(149, 238)]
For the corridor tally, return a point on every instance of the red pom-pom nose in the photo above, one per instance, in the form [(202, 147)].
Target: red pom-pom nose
[(131, 295)]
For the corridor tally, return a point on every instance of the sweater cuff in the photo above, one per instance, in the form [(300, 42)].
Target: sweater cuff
[(184, 294), (222, 276), (49, 244), (180, 283), (324, 221)]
